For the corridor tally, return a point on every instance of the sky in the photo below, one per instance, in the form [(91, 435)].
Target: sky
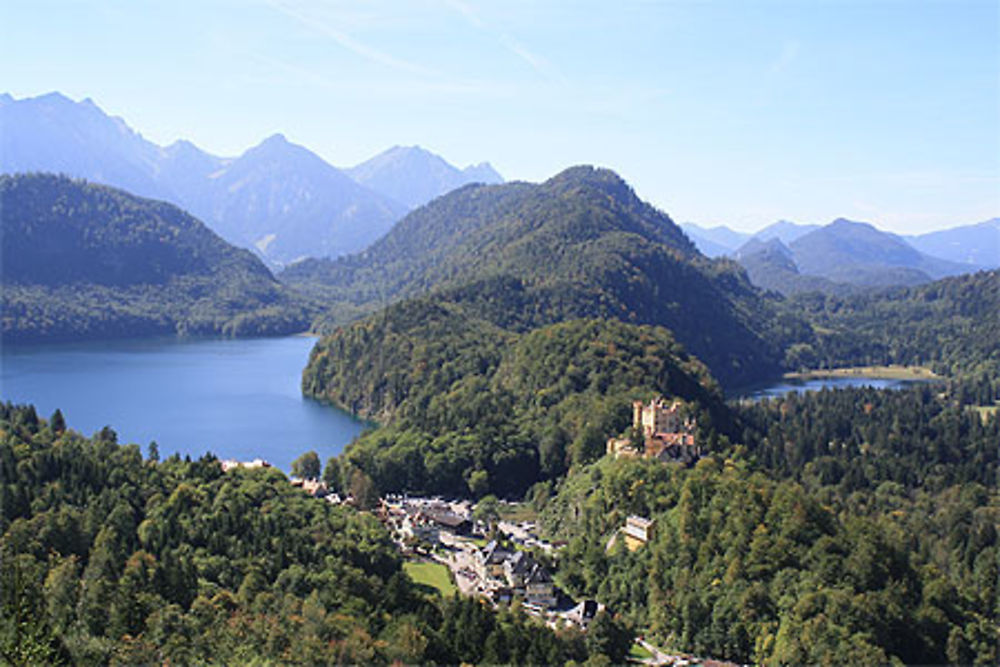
[(738, 113)]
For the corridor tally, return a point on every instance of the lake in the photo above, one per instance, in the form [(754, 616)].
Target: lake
[(786, 385), (238, 399)]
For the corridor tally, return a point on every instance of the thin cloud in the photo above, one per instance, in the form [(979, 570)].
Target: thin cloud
[(346, 41), (537, 62)]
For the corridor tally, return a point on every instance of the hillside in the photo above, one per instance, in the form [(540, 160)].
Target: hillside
[(950, 325), (83, 261), (468, 408), (578, 245), (414, 176), (771, 265)]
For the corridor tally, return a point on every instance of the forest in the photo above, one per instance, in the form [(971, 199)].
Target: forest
[(112, 558), (850, 527), (83, 261), (950, 325), (579, 245)]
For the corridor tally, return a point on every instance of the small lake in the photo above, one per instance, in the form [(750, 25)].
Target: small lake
[(238, 399), (786, 385)]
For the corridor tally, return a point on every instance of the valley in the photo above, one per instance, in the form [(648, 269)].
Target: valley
[(488, 343)]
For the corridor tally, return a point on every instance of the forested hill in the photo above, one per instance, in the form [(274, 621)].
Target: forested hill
[(87, 261), (578, 245), (469, 408), (952, 325)]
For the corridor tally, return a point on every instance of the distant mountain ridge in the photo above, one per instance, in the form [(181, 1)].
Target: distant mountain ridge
[(977, 245), (414, 176), (84, 261), (857, 253), (277, 198), (843, 256)]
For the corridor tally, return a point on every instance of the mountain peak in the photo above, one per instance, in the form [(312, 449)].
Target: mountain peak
[(414, 175), (844, 223), (276, 139)]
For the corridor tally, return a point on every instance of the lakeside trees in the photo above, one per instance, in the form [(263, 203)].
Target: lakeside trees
[(109, 558)]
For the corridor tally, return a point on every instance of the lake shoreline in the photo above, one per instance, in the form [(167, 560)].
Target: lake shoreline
[(891, 372)]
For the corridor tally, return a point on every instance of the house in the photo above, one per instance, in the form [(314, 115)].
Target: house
[(638, 531), (538, 588), (490, 561), (418, 527), (517, 568), (449, 521), (583, 613)]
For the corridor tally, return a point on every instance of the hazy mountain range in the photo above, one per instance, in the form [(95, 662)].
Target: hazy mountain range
[(277, 197), (845, 255)]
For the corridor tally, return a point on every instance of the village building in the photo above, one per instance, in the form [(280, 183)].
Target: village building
[(638, 531), (507, 573), (449, 521), (539, 589), (490, 561)]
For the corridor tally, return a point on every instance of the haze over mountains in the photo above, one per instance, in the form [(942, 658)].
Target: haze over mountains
[(277, 197)]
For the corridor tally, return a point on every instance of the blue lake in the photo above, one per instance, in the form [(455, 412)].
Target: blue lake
[(235, 398), (784, 386)]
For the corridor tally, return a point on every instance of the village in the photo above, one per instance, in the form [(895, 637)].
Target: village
[(449, 546)]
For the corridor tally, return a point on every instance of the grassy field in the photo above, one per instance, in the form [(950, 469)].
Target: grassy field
[(638, 653), (431, 575), (517, 512), (880, 372)]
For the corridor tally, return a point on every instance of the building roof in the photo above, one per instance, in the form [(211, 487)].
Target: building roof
[(639, 521)]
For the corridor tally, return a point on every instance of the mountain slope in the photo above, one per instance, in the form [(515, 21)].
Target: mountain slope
[(977, 245), (468, 408), (288, 203), (89, 261), (279, 199), (771, 265), (785, 231), (578, 245), (55, 134), (414, 176)]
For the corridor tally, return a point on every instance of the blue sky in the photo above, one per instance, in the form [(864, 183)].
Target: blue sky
[(736, 113)]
